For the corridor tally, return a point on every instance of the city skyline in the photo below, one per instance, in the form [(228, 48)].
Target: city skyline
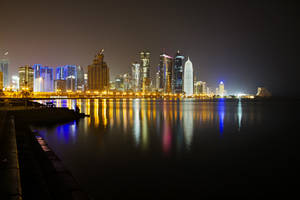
[(248, 45)]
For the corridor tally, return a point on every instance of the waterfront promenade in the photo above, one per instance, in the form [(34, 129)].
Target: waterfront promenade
[(29, 169)]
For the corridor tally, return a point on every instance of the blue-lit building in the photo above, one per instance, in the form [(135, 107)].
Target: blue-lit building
[(71, 77), (178, 73), (60, 73), (4, 69), (43, 78)]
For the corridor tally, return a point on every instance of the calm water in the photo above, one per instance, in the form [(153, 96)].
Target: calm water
[(167, 149)]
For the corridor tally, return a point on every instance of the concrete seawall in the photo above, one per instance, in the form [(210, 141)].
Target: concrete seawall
[(29, 168)]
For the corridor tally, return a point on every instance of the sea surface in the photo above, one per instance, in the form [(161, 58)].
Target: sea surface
[(169, 149)]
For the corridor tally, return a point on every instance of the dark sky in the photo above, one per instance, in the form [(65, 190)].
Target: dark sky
[(245, 43)]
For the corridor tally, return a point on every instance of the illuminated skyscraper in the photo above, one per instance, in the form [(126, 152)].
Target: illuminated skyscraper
[(221, 89), (4, 69), (165, 73), (127, 81), (60, 73), (145, 73), (1, 81), (43, 78), (80, 78), (188, 78), (136, 77), (15, 83), (71, 77), (26, 75), (98, 73), (200, 87), (178, 73)]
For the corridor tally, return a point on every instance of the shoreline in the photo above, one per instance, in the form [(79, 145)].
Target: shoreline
[(42, 175)]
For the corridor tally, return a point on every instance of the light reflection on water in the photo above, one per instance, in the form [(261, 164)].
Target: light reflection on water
[(173, 122)]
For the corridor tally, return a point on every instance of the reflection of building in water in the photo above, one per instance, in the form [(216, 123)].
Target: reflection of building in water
[(136, 119), (96, 112), (124, 111), (144, 124), (239, 114), (221, 113), (188, 123)]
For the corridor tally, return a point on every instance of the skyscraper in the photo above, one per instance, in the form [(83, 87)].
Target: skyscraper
[(71, 77), (178, 73), (15, 83), (43, 78), (200, 87), (136, 76), (4, 69), (1, 81), (60, 73), (145, 71), (221, 89), (165, 73), (188, 78), (80, 78), (98, 73), (26, 75)]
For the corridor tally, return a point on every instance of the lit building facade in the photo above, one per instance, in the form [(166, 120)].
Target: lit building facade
[(15, 83), (165, 73), (178, 73), (43, 78), (71, 77), (188, 78), (119, 83), (98, 74), (221, 90), (127, 81), (80, 78), (60, 73), (145, 70), (1, 81), (26, 75), (200, 87), (60, 85), (4, 69), (136, 77)]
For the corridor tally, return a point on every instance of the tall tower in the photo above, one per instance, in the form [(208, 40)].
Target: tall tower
[(98, 73), (1, 81), (178, 73), (165, 73), (80, 78), (188, 78), (145, 75), (4, 69), (221, 89), (136, 77), (26, 75)]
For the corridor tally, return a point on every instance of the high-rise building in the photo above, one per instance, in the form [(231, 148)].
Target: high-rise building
[(26, 75), (1, 81), (200, 87), (98, 73), (85, 82), (127, 81), (178, 73), (136, 76), (60, 73), (188, 78), (60, 85), (43, 78), (80, 78), (221, 89), (119, 83), (71, 77), (145, 71), (4, 69), (15, 83), (165, 73)]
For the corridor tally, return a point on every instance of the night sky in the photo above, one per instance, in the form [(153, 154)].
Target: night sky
[(245, 43)]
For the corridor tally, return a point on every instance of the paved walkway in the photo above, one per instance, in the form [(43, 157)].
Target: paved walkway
[(10, 184)]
